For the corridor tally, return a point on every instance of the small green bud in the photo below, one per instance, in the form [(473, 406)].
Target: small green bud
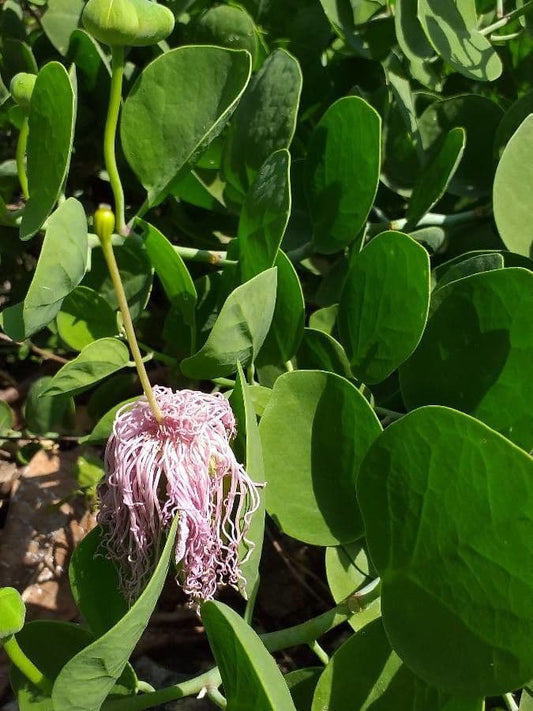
[(21, 88), (134, 23), (104, 222)]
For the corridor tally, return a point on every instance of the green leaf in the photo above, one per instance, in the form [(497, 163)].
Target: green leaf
[(135, 271), (248, 447), (95, 584), (512, 192), (473, 178), (238, 332), (264, 216), (315, 431), (102, 429), (381, 681), (171, 270), (7, 417), (96, 361), (59, 21), (320, 351), (512, 118), (343, 164), (450, 26), (473, 265), (44, 415), (379, 336), (247, 669), (302, 684), (60, 269), (68, 640), (226, 26), (178, 104), (476, 354), (436, 175), (526, 701), (287, 326), (51, 121), (16, 57), (85, 681), (442, 496), (84, 317), (89, 57), (414, 43), (324, 319), (12, 612), (265, 119)]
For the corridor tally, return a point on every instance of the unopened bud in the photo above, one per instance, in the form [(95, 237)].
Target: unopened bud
[(133, 23), (21, 88), (104, 222)]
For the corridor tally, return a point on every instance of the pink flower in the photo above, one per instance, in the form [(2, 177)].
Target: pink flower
[(185, 466)]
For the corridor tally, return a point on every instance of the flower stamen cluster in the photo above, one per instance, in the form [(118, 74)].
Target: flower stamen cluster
[(182, 466)]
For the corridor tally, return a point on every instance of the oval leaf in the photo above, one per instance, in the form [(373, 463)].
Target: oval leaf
[(60, 269), (238, 332), (450, 27), (96, 361), (247, 669), (343, 165), (476, 354), (85, 316), (179, 103), (51, 121), (440, 492), (512, 192), (264, 121), (315, 431), (378, 330)]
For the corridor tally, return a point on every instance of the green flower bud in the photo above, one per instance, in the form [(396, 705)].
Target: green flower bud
[(104, 222), (134, 23), (21, 88)]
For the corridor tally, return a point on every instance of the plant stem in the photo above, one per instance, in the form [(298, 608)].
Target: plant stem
[(115, 97), (21, 155), (109, 256), (320, 653), (509, 17), (27, 667), (189, 254), (391, 414), (216, 697), (305, 633)]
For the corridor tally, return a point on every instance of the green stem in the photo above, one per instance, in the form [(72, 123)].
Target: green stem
[(109, 256), (216, 697), (510, 702), (305, 633), (509, 17), (27, 667), (320, 652), (21, 156), (189, 254), (115, 97)]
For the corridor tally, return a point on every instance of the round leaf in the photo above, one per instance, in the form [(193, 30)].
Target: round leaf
[(512, 192), (315, 431), (476, 354), (446, 506), (343, 165), (384, 305)]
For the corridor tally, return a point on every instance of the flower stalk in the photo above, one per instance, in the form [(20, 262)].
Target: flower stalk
[(110, 132)]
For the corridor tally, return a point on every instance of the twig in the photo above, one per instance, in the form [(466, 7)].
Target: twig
[(506, 19), (46, 355)]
